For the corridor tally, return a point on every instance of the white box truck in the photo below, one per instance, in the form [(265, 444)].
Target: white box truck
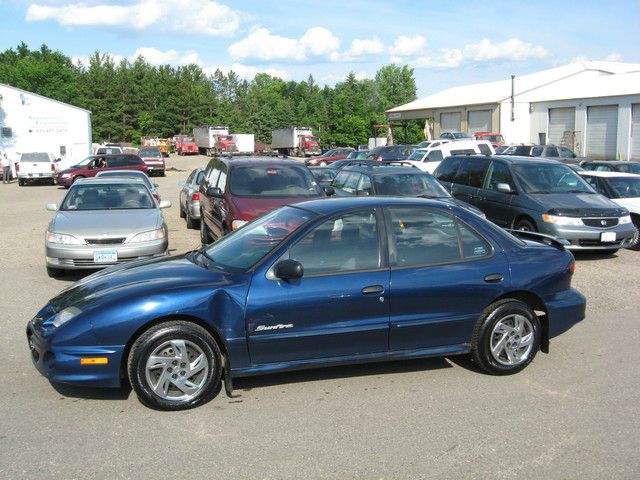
[(213, 140), (298, 141), (245, 142)]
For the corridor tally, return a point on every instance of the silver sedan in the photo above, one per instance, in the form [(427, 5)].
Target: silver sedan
[(103, 222), (190, 198)]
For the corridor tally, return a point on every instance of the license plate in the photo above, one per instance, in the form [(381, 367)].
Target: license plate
[(608, 237), (105, 257)]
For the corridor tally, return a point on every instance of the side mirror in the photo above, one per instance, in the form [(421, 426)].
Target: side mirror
[(288, 269), (164, 204), (214, 192), (330, 191), (504, 188), (180, 183), (52, 207)]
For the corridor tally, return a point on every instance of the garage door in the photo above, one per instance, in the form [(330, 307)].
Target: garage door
[(450, 121), (560, 120), (602, 132), (635, 132), (479, 121)]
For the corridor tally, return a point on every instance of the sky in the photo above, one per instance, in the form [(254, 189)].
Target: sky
[(447, 43)]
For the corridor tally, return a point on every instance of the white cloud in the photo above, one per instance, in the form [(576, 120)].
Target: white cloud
[(447, 58), (364, 47), (614, 57), (204, 17), (160, 57), (406, 46), (512, 49), (261, 45)]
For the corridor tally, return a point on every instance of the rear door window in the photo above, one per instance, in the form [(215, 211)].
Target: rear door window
[(351, 183), (471, 172), (340, 180), (498, 173), (552, 152), (434, 156)]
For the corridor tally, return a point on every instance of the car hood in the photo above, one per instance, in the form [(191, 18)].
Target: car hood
[(576, 204), (106, 223), (251, 208), (70, 170), (136, 279)]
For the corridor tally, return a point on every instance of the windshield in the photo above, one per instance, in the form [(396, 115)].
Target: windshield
[(399, 152), (417, 155), (226, 138), (35, 157), (248, 245), (274, 181), (625, 187), (409, 185), (548, 178), (460, 135), (108, 150), (325, 175), (312, 139), (358, 155), (85, 161), (150, 152), (493, 138), (425, 144), (634, 167), (112, 196)]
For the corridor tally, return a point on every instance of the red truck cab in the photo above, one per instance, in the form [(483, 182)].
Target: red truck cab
[(226, 143), (496, 139), (185, 145), (309, 145)]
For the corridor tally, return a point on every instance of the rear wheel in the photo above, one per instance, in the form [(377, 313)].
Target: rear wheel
[(191, 223), (525, 225), (506, 337), (20, 182), (175, 365)]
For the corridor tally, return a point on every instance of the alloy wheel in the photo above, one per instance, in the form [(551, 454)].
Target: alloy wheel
[(512, 340)]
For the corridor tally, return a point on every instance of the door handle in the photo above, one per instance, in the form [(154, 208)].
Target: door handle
[(494, 277), (372, 289)]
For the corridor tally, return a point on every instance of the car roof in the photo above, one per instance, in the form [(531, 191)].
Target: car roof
[(113, 173), (382, 169), (517, 159), (611, 162), (328, 206), (110, 180), (595, 173), (252, 161)]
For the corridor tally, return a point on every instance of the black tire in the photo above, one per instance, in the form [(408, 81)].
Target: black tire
[(20, 182), (163, 174), (191, 223), (153, 338), (636, 223), (182, 214), (205, 236), (54, 272), (481, 340), (525, 224)]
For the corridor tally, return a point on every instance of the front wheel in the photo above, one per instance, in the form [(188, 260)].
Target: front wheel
[(54, 272), (506, 337), (175, 365), (525, 225), (323, 164)]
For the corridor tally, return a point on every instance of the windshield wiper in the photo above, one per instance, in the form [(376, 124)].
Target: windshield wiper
[(426, 195), (577, 191), (539, 191)]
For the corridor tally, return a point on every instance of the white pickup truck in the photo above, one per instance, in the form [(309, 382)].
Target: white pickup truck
[(35, 166)]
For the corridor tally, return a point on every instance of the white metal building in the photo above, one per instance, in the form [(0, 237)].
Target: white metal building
[(593, 107), (33, 123)]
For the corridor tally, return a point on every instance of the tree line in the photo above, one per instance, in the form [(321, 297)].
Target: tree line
[(129, 99)]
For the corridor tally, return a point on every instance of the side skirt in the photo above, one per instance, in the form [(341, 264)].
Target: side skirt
[(350, 360)]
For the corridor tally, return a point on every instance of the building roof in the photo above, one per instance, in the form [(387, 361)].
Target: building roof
[(615, 78), (43, 97)]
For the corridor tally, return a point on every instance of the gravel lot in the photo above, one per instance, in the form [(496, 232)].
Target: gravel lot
[(571, 414)]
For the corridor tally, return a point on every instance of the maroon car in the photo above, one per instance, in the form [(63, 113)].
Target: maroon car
[(153, 159), (236, 191), (329, 157), (90, 166)]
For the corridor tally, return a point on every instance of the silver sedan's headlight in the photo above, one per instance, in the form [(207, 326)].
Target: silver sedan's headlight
[(63, 316), (625, 220), (62, 238), (148, 236)]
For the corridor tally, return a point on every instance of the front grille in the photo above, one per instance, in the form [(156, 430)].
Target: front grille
[(605, 222), (105, 241), (598, 243)]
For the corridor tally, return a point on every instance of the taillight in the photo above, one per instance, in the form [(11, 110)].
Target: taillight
[(572, 266), (155, 195), (17, 167), (53, 167), (379, 157), (195, 196)]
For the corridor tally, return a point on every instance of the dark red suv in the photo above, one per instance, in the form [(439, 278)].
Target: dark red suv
[(90, 166), (237, 190)]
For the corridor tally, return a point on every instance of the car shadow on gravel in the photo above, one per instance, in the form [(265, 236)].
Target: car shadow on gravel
[(593, 256), (246, 384), (90, 393)]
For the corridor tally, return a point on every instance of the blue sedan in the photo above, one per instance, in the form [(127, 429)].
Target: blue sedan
[(320, 283)]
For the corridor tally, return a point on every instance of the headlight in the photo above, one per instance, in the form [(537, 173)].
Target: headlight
[(625, 220), (236, 224), (65, 175), (63, 316), (62, 238), (558, 220), (148, 236)]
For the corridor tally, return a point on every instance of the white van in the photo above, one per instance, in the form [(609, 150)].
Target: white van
[(428, 159)]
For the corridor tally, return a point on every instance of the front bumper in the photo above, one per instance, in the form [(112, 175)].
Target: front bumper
[(61, 364), (64, 181), (77, 257), (589, 238), (564, 310), (156, 167), (36, 176)]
